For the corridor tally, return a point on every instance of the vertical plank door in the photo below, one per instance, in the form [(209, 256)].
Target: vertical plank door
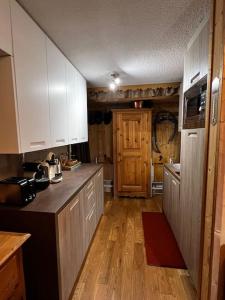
[(132, 131)]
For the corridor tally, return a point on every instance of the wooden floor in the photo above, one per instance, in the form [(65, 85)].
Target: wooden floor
[(116, 265)]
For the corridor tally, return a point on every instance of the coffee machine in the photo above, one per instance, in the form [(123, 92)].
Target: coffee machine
[(39, 172), (54, 168)]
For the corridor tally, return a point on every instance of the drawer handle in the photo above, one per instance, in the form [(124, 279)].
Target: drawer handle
[(193, 134), (74, 204), (37, 144), (99, 174), (90, 184), (74, 139), (195, 77), (60, 141), (91, 214), (89, 196)]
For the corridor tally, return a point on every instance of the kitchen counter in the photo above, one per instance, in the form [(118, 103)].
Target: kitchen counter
[(56, 196), (63, 215), (172, 170), (11, 266), (10, 243)]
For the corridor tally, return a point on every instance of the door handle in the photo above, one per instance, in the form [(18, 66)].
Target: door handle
[(192, 134), (195, 77), (214, 101)]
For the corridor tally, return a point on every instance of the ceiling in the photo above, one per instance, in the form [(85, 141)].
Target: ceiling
[(142, 40)]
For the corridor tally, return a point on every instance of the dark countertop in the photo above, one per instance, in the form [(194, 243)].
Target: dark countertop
[(56, 196), (172, 170)]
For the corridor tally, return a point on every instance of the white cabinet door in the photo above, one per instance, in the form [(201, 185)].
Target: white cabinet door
[(83, 105), (167, 194), (56, 63), (175, 212), (195, 65), (196, 56), (204, 49), (29, 44), (5, 27), (72, 100)]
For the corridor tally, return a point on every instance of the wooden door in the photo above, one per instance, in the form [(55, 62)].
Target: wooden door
[(132, 130)]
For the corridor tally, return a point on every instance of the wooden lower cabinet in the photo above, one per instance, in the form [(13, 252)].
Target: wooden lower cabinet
[(192, 172), (71, 250), (175, 208), (171, 202), (60, 238), (12, 284), (99, 193), (77, 223)]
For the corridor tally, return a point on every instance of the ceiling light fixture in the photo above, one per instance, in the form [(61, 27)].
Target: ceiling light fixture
[(115, 81)]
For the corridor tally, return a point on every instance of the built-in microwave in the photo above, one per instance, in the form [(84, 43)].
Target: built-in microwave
[(194, 105)]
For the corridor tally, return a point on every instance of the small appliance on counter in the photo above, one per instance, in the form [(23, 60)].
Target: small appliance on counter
[(17, 191), (54, 168), (39, 172)]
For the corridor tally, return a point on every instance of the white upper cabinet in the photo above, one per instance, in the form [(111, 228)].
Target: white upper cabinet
[(196, 56), (73, 113), (43, 97), (29, 44), (57, 95), (83, 105), (77, 102), (5, 27)]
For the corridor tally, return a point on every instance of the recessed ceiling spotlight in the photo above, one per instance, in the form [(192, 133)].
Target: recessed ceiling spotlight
[(115, 81), (112, 86)]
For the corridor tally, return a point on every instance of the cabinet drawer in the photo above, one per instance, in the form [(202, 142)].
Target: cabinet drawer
[(89, 197), (89, 186), (90, 225), (89, 202), (9, 279)]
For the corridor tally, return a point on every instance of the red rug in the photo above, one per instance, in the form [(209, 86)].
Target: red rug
[(160, 244)]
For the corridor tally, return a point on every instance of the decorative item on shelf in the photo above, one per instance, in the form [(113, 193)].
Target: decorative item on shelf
[(115, 94), (138, 104)]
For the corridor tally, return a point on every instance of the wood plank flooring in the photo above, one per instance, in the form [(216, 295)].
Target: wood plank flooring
[(116, 267)]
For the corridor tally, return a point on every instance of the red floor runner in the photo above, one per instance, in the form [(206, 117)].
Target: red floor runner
[(160, 244)]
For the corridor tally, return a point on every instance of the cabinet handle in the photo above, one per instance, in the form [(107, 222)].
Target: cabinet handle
[(74, 139), (60, 141), (37, 144), (89, 196), (215, 96), (174, 182), (192, 134), (195, 77), (91, 214), (74, 204), (89, 185), (99, 173), (166, 173)]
